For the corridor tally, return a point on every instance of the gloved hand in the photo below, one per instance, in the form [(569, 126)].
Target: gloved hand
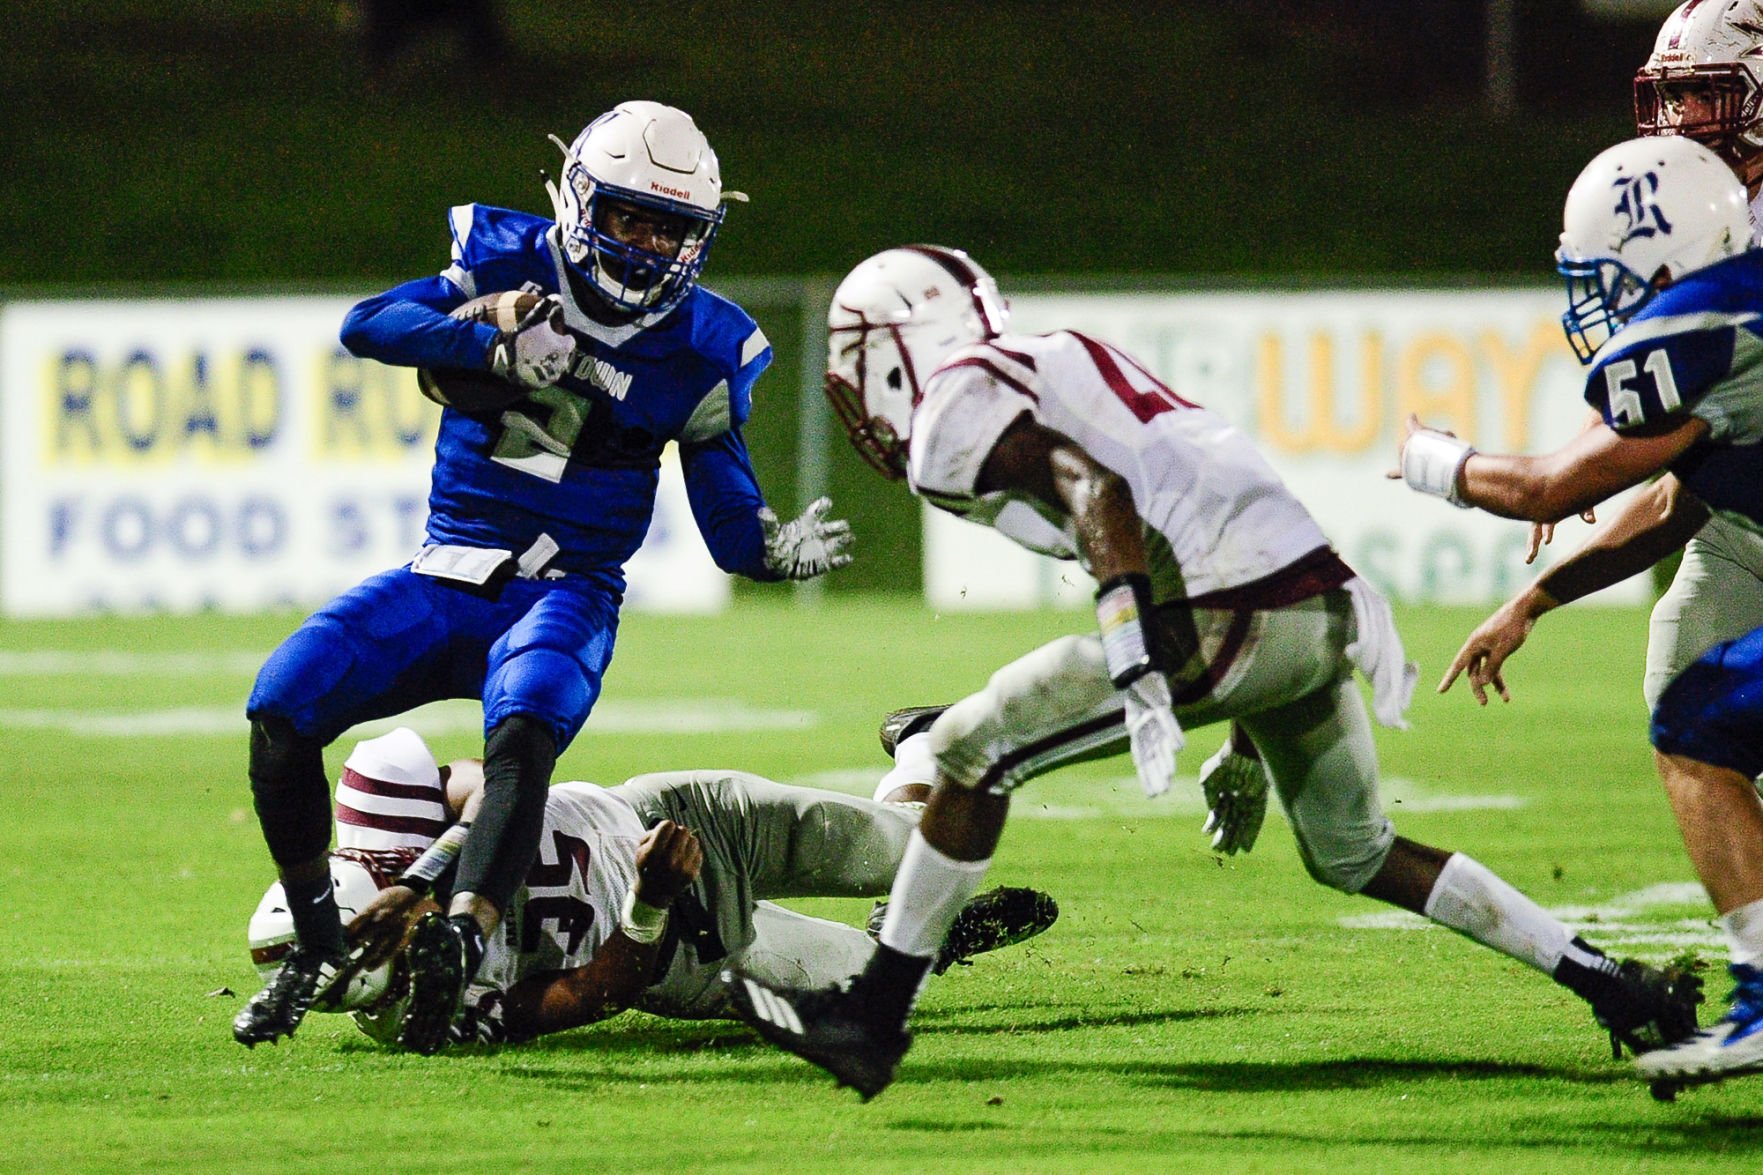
[(807, 546), (1235, 787), (1152, 730), (536, 353)]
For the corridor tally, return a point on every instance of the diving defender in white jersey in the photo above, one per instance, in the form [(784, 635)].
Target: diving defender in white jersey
[(640, 894)]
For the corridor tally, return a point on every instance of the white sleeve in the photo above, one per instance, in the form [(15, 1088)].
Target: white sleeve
[(967, 405)]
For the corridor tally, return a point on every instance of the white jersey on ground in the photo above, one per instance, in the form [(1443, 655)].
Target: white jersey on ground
[(1216, 515), (574, 892)]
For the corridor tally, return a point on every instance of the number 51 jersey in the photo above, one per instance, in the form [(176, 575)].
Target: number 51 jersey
[(1215, 514)]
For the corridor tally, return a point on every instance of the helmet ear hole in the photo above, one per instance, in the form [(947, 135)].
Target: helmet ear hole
[(896, 379)]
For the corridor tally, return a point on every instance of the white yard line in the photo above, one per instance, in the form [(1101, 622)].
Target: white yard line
[(661, 716)]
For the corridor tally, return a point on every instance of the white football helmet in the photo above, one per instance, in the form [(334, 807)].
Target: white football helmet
[(1643, 211), (655, 157), (1704, 80), (357, 878), (893, 321)]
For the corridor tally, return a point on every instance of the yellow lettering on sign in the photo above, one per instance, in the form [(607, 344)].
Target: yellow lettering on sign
[(1322, 430), (149, 407), (1435, 380), (367, 411), (1515, 375)]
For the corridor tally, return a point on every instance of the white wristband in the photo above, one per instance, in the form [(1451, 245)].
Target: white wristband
[(1431, 462), (640, 921)]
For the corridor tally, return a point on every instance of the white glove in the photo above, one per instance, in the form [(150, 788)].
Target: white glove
[(536, 353), (807, 546), (1235, 787), (1152, 730)]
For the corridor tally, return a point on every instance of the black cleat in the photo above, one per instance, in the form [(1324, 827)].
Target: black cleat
[(440, 967), (305, 980), (1647, 1008), (901, 725), (825, 1027), (999, 917)]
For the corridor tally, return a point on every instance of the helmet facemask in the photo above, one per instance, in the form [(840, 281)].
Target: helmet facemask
[(872, 386), (631, 278), (1716, 105)]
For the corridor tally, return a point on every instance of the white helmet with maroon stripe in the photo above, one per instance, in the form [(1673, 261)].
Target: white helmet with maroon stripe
[(356, 878), (893, 321), (1704, 80), (391, 795)]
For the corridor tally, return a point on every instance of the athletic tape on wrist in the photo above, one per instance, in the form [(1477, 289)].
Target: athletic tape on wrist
[(640, 921), (1431, 462), (435, 859), (1121, 604)]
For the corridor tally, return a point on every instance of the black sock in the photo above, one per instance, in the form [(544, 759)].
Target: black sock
[(473, 935), (1585, 970), (890, 985), (317, 923)]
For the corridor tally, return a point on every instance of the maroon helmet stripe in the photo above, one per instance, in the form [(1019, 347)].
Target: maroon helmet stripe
[(413, 825), (381, 787), (958, 268)]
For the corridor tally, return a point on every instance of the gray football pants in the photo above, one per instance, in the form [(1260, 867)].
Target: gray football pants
[(764, 840)]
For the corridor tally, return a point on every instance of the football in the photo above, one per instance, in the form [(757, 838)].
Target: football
[(474, 389)]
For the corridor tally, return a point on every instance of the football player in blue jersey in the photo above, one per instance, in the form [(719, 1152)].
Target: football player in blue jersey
[(544, 481), (1665, 304)]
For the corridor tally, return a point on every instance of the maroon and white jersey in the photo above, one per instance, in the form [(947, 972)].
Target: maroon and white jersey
[(390, 795), (1215, 513), (574, 893)]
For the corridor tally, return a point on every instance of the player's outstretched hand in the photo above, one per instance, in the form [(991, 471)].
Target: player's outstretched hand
[(668, 860), (807, 546), (1152, 730), (536, 353), (1543, 533), (1235, 787), (379, 931), (1484, 654)]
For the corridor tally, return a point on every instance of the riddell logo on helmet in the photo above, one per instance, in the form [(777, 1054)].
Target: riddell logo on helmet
[(676, 193)]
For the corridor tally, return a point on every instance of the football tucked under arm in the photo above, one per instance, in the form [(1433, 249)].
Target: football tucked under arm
[(482, 389)]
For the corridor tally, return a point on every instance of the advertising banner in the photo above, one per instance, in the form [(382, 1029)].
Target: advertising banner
[(229, 454), (1322, 380)]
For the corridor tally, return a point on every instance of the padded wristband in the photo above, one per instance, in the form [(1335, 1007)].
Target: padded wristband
[(640, 921), (435, 859), (1431, 462), (1121, 605)]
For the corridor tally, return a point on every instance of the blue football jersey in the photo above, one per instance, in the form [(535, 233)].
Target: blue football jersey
[(1696, 350), (578, 461)]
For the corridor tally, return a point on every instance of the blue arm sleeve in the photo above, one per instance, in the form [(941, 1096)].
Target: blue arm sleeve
[(408, 326), (725, 497)]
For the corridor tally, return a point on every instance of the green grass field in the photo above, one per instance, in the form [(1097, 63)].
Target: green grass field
[(1187, 1012)]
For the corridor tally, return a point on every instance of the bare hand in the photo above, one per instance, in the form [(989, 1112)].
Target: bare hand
[(379, 931), (668, 860), (1486, 650), (1543, 533)]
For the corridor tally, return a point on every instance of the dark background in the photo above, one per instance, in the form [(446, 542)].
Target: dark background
[(202, 147)]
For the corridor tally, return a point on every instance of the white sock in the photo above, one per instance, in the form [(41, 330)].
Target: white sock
[(1744, 932), (913, 763), (1471, 900), (929, 891)]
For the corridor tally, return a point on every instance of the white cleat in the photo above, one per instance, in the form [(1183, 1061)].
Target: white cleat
[(1729, 1048)]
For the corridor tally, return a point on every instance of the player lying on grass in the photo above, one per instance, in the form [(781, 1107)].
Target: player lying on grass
[(1220, 599), (1665, 302), (641, 893)]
